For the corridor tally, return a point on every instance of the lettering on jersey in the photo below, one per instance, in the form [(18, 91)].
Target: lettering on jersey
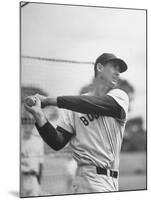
[(89, 118), (85, 121)]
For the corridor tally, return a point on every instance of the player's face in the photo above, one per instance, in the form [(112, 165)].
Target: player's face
[(110, 73)]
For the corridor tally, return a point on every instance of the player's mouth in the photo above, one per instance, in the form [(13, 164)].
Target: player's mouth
[(115, 80)]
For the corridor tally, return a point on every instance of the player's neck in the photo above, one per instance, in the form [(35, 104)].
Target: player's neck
[(100, 88)]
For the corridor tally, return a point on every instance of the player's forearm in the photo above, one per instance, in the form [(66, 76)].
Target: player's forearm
[(49, 101), (40, 118), (55, 138)]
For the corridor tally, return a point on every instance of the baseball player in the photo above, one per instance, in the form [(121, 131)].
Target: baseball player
[(92, 123)]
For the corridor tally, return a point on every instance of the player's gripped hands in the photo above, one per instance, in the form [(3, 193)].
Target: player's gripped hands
[(36, 110), (43, 100), (47, 101), (32, 104), (30, 101)]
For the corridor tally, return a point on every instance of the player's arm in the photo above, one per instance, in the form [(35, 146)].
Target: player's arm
[(56, 138), (104, 105)]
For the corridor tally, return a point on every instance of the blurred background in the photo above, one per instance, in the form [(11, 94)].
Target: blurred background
[(59, 45)]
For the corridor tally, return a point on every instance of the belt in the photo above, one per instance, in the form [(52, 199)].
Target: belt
[(107, 172)]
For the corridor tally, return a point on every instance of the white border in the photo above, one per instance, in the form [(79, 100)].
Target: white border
[(9, 101)]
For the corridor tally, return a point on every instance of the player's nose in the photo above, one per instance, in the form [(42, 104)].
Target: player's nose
[(117, 70)]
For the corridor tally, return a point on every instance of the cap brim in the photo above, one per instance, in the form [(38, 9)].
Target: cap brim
[(122, 64)]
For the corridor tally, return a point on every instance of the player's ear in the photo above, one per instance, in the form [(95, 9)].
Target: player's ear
[(99, 67)]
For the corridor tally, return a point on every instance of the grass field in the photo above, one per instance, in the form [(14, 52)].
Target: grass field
[(57, 176)]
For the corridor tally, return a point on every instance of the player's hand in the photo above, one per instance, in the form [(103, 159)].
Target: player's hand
[(36, 111), (43, 100), (30, 100), (32, 104)]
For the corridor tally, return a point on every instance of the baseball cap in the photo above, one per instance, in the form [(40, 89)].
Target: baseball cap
[(106, 57)]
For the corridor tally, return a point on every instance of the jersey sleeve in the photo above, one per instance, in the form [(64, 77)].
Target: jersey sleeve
[(121, 98), (66, 120)]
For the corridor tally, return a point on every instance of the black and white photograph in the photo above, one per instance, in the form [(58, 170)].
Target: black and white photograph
[(83, 86)]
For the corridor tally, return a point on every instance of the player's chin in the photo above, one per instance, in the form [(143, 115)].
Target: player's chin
[(114, 83)]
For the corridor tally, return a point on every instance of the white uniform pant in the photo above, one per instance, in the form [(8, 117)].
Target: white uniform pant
[(88, 181)]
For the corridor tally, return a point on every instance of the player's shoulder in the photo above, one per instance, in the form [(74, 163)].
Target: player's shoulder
[(118, 93), (120, 97)]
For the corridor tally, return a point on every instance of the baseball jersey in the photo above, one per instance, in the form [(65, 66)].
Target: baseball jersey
[(96, 139)]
